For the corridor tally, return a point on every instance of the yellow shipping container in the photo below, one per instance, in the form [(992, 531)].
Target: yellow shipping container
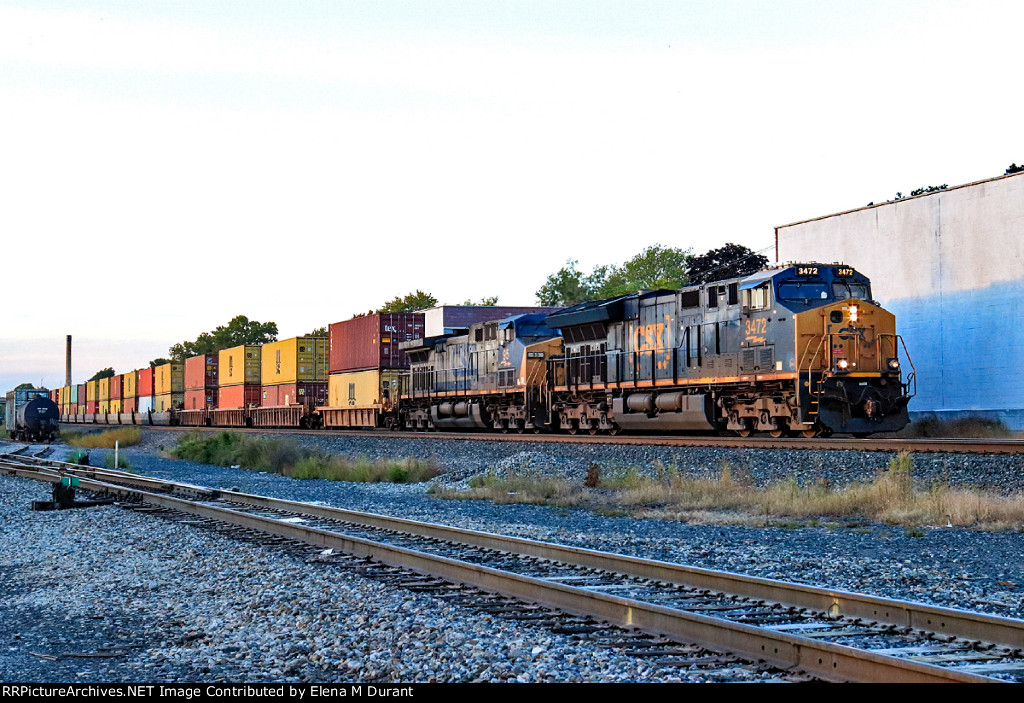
[(130, 389), (115, 405), (238, 365), (92, 393), (294, 360), (361, 389), (104, 407), (104, 389), (167, 401), (169, 378)]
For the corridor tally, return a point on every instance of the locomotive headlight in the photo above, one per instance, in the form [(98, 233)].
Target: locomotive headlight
[(842, 365), (854, 313), (894, 364)]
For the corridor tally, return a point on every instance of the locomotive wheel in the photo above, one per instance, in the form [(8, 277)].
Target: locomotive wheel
[(614, 430), (593, 430), (809, 434), (781, 429), (745, 432)]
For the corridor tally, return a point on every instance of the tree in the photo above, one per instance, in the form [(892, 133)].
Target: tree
[(318, 332), (102, 373), (1014, 168), (239, 331), (730, 261), (485, 301), (653, 268), (568, 286), (159, 361), (410, 303)]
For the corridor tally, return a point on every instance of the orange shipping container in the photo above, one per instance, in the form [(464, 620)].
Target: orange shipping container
[(232, 397), (239, 365), (201, 372)]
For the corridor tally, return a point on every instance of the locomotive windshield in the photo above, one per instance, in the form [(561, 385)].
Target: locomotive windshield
[(847, 289), (803, 291)]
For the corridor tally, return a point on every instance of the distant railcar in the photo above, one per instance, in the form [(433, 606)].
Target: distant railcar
[(31, 415)]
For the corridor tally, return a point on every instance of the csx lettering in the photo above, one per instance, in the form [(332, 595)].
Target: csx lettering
[(649, 336)]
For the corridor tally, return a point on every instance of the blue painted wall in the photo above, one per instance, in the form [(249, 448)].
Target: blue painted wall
[(968, 348)]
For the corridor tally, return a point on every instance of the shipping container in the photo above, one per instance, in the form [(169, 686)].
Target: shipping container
[(104, 388), (92, 407), (130, 405), (145, 404), (169, 378), (309, 394), (201, 372), (75, 391), (145, 382), (371, 341), (116, 386), (115, 405), (294, 360), (362, 388), (230, 397), (92, 392), (202, 399), (104, 407), (81, 397), (73, 409), (131, 385), (239, 365), (168, 401)]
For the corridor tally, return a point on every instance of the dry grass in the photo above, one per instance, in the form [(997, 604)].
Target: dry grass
[(285, 457), (890, 498), (124, 436)]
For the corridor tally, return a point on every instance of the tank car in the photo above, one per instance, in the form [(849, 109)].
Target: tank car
[(796, 349), (492, 376), (31, 415)]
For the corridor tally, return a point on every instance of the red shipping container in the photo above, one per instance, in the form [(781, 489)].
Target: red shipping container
[(129, 405), (92, 407), (200, 374), (231, 397), (371, 341), (81, 393), (308, 393), (116, 387), (146, 381), (202, 399)]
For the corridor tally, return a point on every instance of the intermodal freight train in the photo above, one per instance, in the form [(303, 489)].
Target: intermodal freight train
[(797, 349)]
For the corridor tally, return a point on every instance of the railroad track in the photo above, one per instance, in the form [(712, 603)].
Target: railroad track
[(956, 446), (681, 612)]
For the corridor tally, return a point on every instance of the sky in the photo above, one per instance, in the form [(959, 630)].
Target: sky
[(167, 165)]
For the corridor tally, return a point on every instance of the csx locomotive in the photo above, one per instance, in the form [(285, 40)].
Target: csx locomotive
[(796, 349)]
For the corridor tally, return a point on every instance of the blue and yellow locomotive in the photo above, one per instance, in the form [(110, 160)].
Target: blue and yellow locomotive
[(797, 349)]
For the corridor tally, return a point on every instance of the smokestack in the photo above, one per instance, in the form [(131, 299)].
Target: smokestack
[(67, 376)]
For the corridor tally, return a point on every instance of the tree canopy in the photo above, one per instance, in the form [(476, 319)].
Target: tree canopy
[(318, 332), (102, 373), (241, 330), (409, 303), (159, 361), (486, 300), (654, 267), (729, 261)]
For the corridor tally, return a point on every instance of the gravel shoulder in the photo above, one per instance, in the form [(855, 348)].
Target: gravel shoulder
[(187, 604)]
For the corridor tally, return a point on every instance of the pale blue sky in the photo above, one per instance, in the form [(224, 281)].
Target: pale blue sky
[(165, 166)]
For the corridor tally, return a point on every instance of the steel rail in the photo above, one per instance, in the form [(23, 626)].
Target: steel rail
[(935, 445), (945, 621), (826, 660)]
